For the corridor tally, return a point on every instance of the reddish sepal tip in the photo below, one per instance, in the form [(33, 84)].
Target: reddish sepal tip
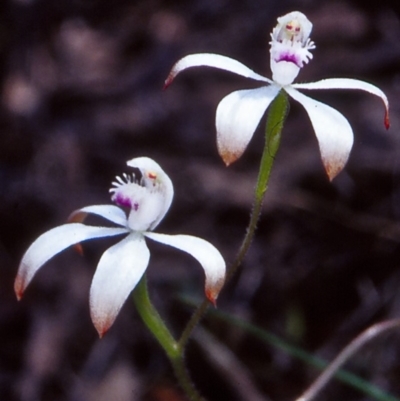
[(101, 331), (19, 287), (78, 248), (102, 323), (387, 121), (101, 334), (212, 298), (228, 159), (168, 82)]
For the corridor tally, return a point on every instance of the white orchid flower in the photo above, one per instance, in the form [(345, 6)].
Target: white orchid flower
[(147, 194), (239, 113)]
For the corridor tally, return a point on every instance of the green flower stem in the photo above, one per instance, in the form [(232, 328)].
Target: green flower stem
[(277, 113), (153, 320), (175, 350), (155, 324), (184, 380)]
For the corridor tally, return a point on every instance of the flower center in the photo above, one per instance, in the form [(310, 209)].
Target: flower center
[(290, 47), (144, 193), (125, 190)]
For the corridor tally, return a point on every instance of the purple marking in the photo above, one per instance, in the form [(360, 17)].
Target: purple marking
[(135, 206), (290, 57), (121, 201)]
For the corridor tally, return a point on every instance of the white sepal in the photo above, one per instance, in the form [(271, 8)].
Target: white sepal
[(213, 60), (348, 83), (119, 270), (207, 255), (53, 242), (333, 131), (238, 116)]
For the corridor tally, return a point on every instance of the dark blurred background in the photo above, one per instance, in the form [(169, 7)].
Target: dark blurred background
[(81, 93)]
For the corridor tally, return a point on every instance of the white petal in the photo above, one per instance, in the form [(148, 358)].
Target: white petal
[(108, 212), (333, 131), (119, 270), (346, 83), (208, 256), (238, 116), (51, 243), (213, 60)]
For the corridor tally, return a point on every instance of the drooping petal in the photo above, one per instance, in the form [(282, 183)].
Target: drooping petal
[(51, 243), (213, 60), (208, 256), (238, 116), (333, 131), (119, 270), (108, 212), (347, 83)]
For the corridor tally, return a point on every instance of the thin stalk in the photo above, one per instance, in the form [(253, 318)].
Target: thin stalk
[(155, 324), (277, 113), (352, 380), (192, 323), (355, 345)]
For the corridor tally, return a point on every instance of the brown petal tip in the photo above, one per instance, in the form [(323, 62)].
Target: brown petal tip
[(102, 322), (333, 168), (229, 157), (19, 287), (331, 175), (102, 330)]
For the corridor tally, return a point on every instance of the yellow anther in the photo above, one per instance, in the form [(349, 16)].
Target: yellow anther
[(292, 29)]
